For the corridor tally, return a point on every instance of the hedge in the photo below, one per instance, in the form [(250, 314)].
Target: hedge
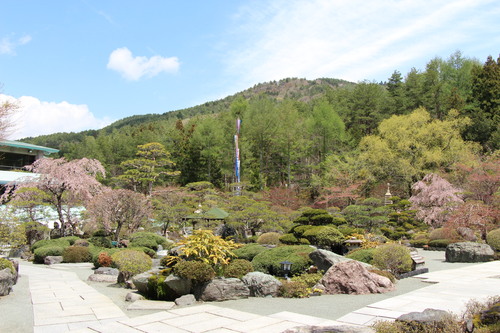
[(269, 261)]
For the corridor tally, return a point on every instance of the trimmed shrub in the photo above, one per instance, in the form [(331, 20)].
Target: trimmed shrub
[(237, 268), (493, 239), (419, 242), (140, 236), (272, 238), (249, 251), (131, 261), (393, 257), (101, 241), (440, 243), (294, 289), (81, 242), (70, 239), (197, 271), (299, 230), (443, 233), (144, 242), (76, 254), (269, 261), (348, 231), (6, 263), (304, 241), (150, 252), (324, 236), (50, 242), (104, 259), (96, 251), (42, 252), (364, 255), (289, 239), (322, 219)]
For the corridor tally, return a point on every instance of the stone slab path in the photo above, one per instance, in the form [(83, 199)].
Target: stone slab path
[(62, 302)]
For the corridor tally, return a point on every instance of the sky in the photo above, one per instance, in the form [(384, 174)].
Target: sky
[(73, 65)]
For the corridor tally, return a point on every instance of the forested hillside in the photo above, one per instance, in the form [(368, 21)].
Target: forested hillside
[(319, 137)]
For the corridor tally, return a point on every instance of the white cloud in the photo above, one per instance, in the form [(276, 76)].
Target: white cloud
[(133, 68), (352, 40), (36, 117), (8, 46)]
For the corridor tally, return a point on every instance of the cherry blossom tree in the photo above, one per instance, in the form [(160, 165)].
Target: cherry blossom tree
[(476, 215), (65, 184), (434, 198), (116, 210)]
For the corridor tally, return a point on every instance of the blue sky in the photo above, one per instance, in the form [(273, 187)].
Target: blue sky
[(81, 64)]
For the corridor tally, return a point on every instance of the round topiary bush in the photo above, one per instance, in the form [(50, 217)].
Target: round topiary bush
[(144, 242), (131, 261), (249, 251), (493, 239), (238, 268), (42, 252), (324, 236), (77, 254), (70, 239), (101, 241), (269, 261), (289, 239), (272, 238), (6, 263), (150, 252), (393, 257), (140, 236), (364, 255), (197, 271), (97, 251)]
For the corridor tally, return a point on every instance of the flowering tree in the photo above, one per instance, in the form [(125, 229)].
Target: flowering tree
[(115, 210), (434, 198), (65, 184), (475, 215)]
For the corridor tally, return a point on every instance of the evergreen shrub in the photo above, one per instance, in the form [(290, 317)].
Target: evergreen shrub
[(294, 289), (269, 261), (363, 255), (324, 236), (70, 239), (76, 254), (440, 243), (249, 251), (131, 261), (144, 242), (493, 239), (419, 242), (197, 271), (150, 252), (289, 239), (271, 238), (81, 242), (96, 251), (49, 250), (393, 257), (237, 268), (101, 241), (61, 242), (140, 237)]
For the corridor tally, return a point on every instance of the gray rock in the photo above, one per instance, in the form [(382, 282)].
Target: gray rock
[(351, 277), (15, 263), (107, 271), (467, 234), (17, 252), (177, 286), (132, 297), (7, 280), (223, 289), (428, 316), (469, 252), (261, 284), (331, 329), (51, 260), (140, 282), (103, 278), (185, 300), (324, 259)]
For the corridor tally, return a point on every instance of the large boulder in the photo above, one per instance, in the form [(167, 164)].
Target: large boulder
[(140, 282), (469, 252), (330, 329), (107, 271), (185, 300), (324, 259), (51, 260), (223, 289), (7, 280), (429, 320), (177, 286), (261, 284), (351, 277), (103, 278)]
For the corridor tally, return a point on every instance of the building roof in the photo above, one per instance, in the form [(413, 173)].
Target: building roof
[(29, 146)]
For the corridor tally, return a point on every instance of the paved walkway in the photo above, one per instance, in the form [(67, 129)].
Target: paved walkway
[(62, 302)]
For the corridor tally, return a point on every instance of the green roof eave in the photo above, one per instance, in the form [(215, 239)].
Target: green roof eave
[(18, 144)]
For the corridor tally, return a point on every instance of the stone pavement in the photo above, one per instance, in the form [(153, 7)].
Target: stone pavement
[(64, 303), (450, 290)]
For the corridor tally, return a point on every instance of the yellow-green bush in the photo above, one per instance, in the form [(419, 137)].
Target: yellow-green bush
[(393, 257), (76, 254), (269, 261), (249, 251), (310, 279), (238, 268), (60, 242), (294, 289), (272, 238), (197, 271), (6, 263), (493, 239), (364, 255), (42, 252), (131, 261)]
